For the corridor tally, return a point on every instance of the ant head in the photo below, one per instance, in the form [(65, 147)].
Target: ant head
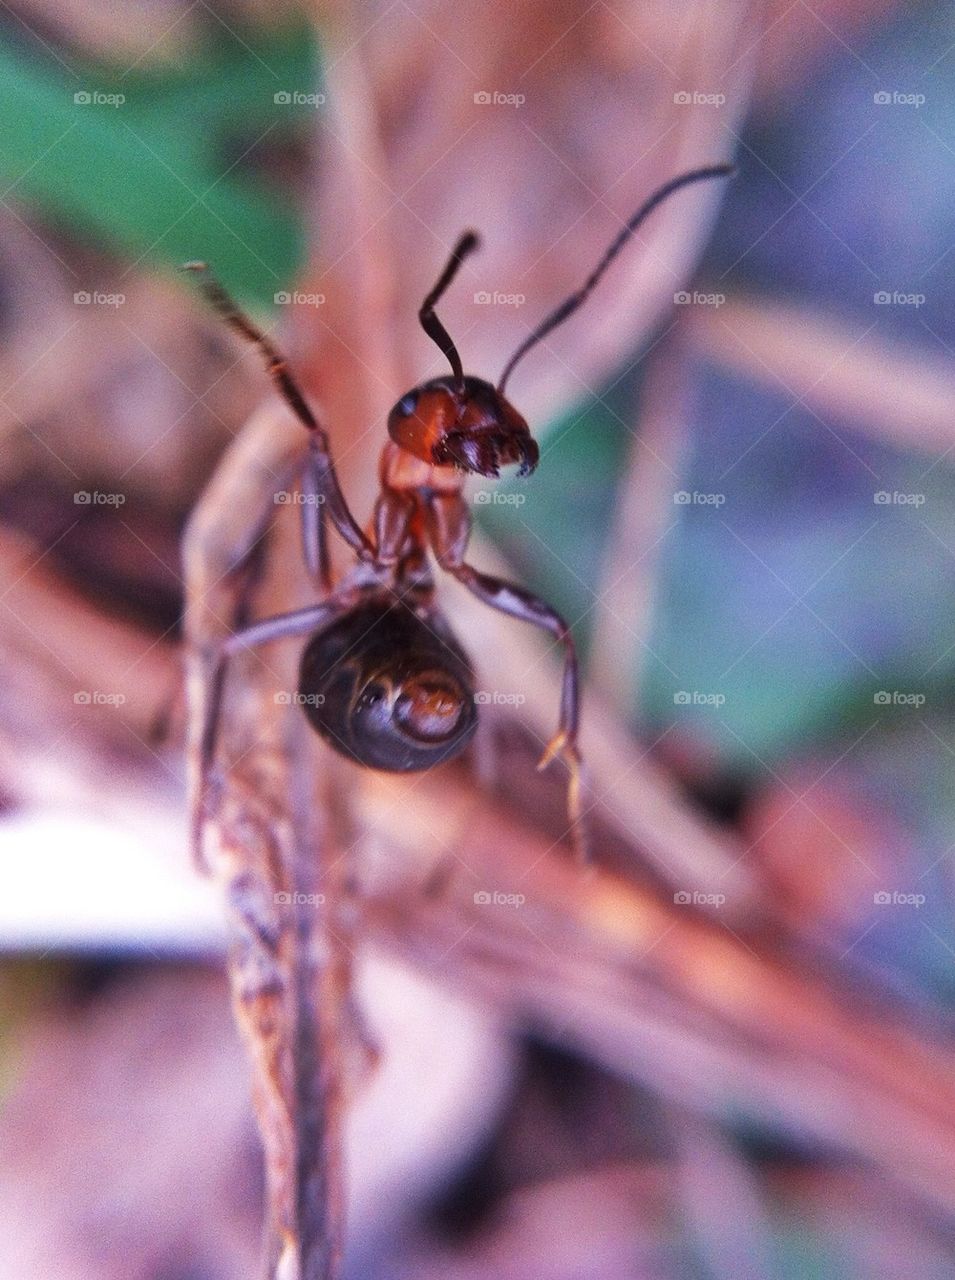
[(462, 421), (458, 420), (466, 424)]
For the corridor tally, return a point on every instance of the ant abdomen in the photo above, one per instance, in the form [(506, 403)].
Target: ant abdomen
[(389, 688)]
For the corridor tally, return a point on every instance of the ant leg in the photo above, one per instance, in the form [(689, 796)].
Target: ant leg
[(284, 625), (518, 603), (314, 539), (450, 525), (323, 477)]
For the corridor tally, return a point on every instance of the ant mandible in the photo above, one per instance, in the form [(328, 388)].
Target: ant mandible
[(383, 679)]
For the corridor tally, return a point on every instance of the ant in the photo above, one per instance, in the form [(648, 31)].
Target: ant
[(383, 679)]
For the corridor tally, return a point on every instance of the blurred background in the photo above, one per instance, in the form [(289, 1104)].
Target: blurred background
[(726, 1050)]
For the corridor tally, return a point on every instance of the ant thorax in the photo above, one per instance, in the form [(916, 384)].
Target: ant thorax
[(402, 472)]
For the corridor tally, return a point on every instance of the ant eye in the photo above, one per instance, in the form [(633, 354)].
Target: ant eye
[(407, 404)]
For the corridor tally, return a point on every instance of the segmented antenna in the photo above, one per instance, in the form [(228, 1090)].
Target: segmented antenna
[(240, 322), (576, 300), (432, 326)]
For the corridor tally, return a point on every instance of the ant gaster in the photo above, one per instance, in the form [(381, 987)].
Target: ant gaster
[(383, 679)]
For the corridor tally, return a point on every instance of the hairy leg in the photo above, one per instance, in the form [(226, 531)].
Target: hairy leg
[(450, 526), (282, 627), (320, 470)]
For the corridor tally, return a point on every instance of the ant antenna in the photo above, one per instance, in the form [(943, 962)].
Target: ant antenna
[(429, 321), (239, 321), (576, 300)]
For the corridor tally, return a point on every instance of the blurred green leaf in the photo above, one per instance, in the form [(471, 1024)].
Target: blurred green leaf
[(148, 167)]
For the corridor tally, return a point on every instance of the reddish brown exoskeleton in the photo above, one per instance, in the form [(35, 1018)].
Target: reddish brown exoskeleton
[(383, 679)]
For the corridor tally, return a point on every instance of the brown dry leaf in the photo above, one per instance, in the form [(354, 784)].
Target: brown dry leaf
[(712, 1017)]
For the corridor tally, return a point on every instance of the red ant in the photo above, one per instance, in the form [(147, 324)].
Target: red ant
[(383, 679)]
